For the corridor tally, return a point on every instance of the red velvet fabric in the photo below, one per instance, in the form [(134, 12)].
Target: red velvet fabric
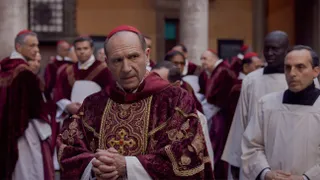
[(193, 69), (152, 63), (165, 98), (236, 66), (97, 72), (219, 85), (203, 80), (233, 99), (20, 101), (50, 74), (218, 89)]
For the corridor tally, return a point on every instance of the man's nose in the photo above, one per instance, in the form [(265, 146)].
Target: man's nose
[(37, 49), (126, 66), (293, 72)]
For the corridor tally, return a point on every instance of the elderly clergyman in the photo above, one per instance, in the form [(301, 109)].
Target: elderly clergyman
[(140, 127)]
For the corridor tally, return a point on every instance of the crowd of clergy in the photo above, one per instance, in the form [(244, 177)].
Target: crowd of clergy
[(116, 113)]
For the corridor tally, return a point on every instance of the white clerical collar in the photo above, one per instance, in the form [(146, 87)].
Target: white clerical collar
[(185, 68), (148, 67), (217, 63), (60, 58), (240, 56), (16, 55), (241, 76), (87, 64)]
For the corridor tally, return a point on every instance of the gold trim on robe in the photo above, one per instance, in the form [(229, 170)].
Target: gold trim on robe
[(90, 77), (197, 146), (125, 127), (96, 71), (70, 73), (178, 168), (85, 124)]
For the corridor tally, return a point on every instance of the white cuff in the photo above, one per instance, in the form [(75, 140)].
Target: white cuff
[(135, 170), (62, 105), (87, 175), (263, 174), (209, 109), (43, 128)]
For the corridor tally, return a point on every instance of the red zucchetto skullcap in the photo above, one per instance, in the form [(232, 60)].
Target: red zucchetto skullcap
[(244, 48), (213, 51), (61, 41), (25, 31), (123, 28), (250, 55)]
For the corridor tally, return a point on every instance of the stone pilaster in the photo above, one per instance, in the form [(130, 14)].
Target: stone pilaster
[(194, 17), (259, 24), (13, 18)]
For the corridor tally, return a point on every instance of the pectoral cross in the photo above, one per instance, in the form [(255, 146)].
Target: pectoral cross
[(122, 142)]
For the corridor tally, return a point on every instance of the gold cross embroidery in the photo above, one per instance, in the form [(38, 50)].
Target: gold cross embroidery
[(122, 142)]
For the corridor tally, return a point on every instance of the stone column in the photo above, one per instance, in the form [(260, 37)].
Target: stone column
[(13, 18), (194, 17), (259, 24)]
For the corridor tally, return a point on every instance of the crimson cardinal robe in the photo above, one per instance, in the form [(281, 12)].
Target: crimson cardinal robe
[(158, 125), (97, 72), (203, 80), (50, 73), (218, 89), (191, 69), (20, 101)]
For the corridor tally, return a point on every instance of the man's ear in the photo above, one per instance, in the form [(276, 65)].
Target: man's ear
[(147, 53), (316, 71), (18, 47)]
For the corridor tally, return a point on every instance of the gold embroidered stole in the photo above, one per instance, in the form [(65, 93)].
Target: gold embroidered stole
[(125, 127)]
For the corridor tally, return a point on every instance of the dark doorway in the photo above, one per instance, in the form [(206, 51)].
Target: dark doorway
[(306, 22), (171, 35)]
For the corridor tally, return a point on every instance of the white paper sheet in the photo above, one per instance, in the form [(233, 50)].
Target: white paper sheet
[(193, 81), (83, 88)]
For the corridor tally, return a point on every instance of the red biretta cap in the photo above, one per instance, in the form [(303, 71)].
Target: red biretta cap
[(250, 55), (123, 28)]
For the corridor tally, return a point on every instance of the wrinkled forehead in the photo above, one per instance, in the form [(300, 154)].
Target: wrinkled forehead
[(178, 48), (177, 58), (122, 43), (207, 54), (82, 44), (275, 41), (64, 45), (101, 50), (298, 56), (29, 39), (256, 59)]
